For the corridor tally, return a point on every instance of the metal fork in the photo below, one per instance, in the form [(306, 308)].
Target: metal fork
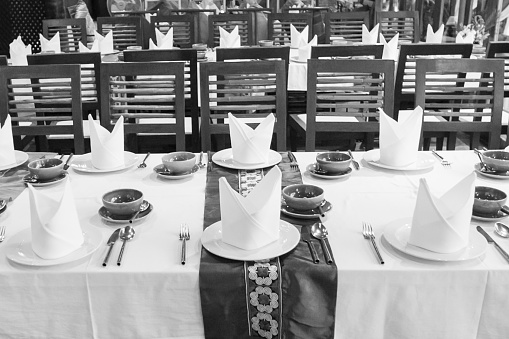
[(2, 233), (293, 161), (443, 162), (184, 236), (143, 164), (367, 232)]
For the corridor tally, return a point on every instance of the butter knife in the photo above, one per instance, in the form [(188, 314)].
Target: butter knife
[(111, 241), (491, 241), (306, 237)]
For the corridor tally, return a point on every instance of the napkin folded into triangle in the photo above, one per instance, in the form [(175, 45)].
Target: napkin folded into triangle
[(399, 140), (251, 146), (467, 39), (107, 148), (390, 51), (298, 39), (7, 155), (305, 51), (55, 225), (253, 221), (103, 44), (52, 44), (229, 40), (369, 37), (18, 52), (442, 224), (434, 37), (164, 41)]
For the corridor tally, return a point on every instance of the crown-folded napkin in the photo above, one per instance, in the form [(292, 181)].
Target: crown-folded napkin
[(399, 140), (467, 39), (18, 52), (253, 221), (229, 40), (305, 51), (434, 37), (164, 41), (390, 51), (52, 44), (55, 224), (251, 146), (442, 223), (298, 39), (103, 44), (107, 148), (7, 155), (369, 37)]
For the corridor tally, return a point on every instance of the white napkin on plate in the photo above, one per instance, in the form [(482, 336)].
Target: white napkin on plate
[(251, 146), (7, 155), (55, 224), (298, 39), (369, 37), (164, 41), (50, 45), (107, 148), (18, 52), (467, 39), (390, 51), (442, 224), (229, 40), (305, 51), (103, 44), (253, 221), (434, 37), (399, 140)]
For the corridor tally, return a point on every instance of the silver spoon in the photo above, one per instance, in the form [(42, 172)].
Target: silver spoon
[(143, 207), (319, 231), (143, 164), (201, 164), (502, 230), (126, 234), (484, 167)]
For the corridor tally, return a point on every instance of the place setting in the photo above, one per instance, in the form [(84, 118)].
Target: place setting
[(47, 172), (489, 204), (493, 164), (177, 165), (125, 205), (304, 201), (331, 165)]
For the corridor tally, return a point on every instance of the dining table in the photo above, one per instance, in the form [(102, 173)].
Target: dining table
[(153, 295)]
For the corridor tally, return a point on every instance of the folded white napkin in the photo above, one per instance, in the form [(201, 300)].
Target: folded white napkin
[(369, 37), (229, 40), (251, 222), (18, 52), (164, 41), (50, 45), (55, 224), (103, 44), (442, 224), (390, 51), (107, 148), (251, 146), (298, 39), (399, 140), (7, 155), (305, 51), (434, 37), (467, 39)]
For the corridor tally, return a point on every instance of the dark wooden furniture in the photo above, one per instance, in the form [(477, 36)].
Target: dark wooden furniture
[(345, 25), (406, 23), (71, 31), (279, 26), (344, 51), (183, 28), (228, 22), (126, 30)]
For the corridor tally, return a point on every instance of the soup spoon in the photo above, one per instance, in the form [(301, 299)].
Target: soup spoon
[(319, 231), (143, 207), (502, 230), (126, 234)]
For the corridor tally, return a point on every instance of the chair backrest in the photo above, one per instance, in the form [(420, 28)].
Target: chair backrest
[(346, 25), (71, 31), (352, 91), (259, 19), (464, 95), (254, 53), (500, 50), (3, 60), (249, 91), (343, 51), (183, 28), (201, 21), (406, 23), (148, 91), (279, 26), (228, 22), (39, 96), (127, 30)]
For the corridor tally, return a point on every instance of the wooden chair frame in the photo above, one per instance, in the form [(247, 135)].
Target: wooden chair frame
[(347, 25), (183, 28), (298, 20), (398, 22), (127, 30), (228, 22), (72, 31)]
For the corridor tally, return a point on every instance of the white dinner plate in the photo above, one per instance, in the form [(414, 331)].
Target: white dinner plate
[(224, 158), (83, 163), (20, 157), (495, 175), (297, 60), (289, 237), (163, 173), (424, 161), (42, 183), (311, 168), (19, 249), (398, 232)]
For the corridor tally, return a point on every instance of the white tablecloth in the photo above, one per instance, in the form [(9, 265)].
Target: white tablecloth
[(153, 296)]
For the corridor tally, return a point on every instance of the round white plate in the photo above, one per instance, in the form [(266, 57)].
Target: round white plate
[(495, 175), (296, 59), (398, 232), (311, 214), (289, 237), (163, 173), (500, 216), (224, 158), (20, 156), (114, 219), (312, 170), (19, 249), (424, 161), (83, 163), (42, 183)]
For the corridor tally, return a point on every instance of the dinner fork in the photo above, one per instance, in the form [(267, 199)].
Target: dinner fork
[(367, 232), (443, 162), (2, 233), (293, 161), (184, 236), (143, 164)]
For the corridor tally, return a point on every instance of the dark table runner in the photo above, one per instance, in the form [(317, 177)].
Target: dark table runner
[(286, 297)]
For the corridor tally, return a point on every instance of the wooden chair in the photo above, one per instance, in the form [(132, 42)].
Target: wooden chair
[(144, 90), (406, 23), (250, 93), (3, 60), (228, 22), (200, 19), (343, 98), (192, 120), (183, 28), (258, 15), (345, 25), (71, 31), (279, 26), (456, 100), (344, 51), (127, 30), (500, 50), (39, 96), (255, 53)]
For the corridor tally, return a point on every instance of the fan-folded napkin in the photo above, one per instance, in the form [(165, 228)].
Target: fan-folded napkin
[(55, 224), (52, 44), (442, 224), (298, 39), (369, 37), (399, 140), (305, 50), (434, 37), (18, 52), (390, 51), (467, 39), (103, 44), (164, 41), (7, 155), (253, 221), (107, 148), (251, 146), (229, 40)]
